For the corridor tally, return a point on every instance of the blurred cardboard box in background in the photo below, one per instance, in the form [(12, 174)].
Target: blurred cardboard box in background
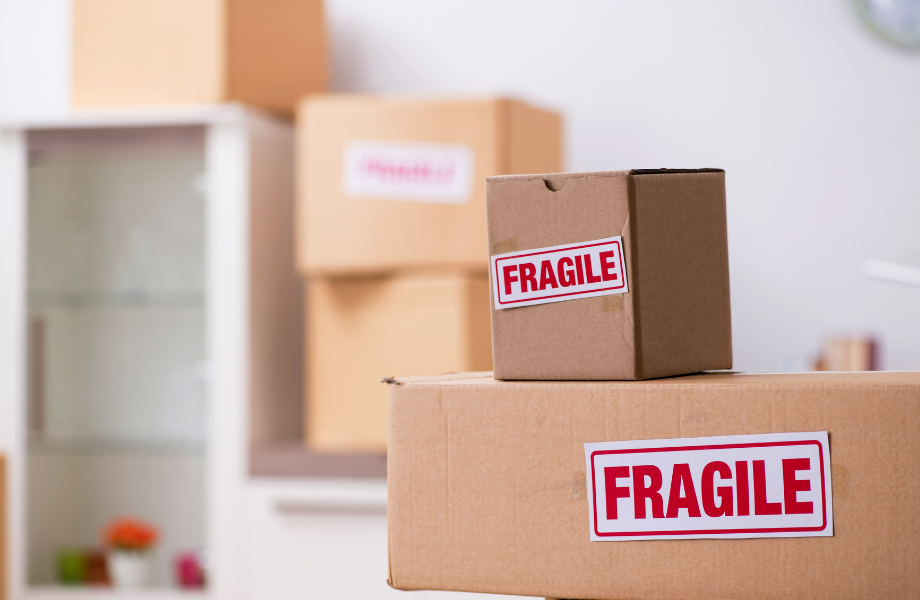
[(388, 184), (666, 310), (153, 52), (359, 330), (849, 353)]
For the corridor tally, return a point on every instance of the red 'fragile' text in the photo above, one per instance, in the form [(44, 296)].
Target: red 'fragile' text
[(559, 273)]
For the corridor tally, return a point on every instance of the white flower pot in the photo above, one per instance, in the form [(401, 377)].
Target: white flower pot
[(130, 569)]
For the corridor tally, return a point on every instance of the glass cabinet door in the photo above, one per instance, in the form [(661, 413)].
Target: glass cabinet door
[(116, 358)]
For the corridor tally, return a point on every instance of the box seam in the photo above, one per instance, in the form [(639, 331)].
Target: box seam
[(638, 366)]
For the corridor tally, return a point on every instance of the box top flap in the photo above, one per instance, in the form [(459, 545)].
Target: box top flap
[(620, 173), (714, 377)]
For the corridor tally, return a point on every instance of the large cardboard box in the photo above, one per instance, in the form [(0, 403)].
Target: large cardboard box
[(612, 275), (361, 330), (488, 490), (4, 531), (151, 52), (387, 184)]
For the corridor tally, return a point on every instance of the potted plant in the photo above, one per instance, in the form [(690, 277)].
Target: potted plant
[(130, 542)]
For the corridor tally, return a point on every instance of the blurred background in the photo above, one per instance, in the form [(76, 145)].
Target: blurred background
[(812, 109), (812, 115)]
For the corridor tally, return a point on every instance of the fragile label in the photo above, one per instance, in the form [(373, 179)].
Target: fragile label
[(568, 272), (438, 173), (739, 486)]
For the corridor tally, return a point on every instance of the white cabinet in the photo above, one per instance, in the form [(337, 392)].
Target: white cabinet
[(323, 538), (150, 331)]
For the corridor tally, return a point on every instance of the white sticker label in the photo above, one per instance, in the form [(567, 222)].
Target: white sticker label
[(582, 270), (739, 486), (438, 173)]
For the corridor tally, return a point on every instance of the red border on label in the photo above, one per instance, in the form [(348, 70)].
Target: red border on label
[(706, 531), (616, 287)]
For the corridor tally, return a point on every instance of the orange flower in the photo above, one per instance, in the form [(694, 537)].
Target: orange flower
[(130, 534)]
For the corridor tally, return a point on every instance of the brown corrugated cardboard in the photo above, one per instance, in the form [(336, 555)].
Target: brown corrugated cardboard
[(150, 52), (359, 330), (344, 229), (676, 316), (4, 556), (487, 491)]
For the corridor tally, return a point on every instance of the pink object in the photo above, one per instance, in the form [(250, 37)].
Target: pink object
[(189, 570)]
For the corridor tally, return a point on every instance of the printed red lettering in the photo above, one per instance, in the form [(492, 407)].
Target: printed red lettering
[(680, 477), (708, 490), (761, 506), (590, 276), (614, 492), (652, 491), (547, 276), (528, 272), (558, 273), (578, 270), (791, 486), (384, 168), (566, 276), (509, 278), (744, 492), (607, 265), (735, 486)]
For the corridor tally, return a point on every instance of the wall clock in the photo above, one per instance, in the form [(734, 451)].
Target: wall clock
[(896, 21)]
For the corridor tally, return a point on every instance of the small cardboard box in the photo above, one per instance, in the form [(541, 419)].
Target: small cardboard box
[(387, 184), (849, 353), (153, 52), (360, 330), (613, 275), (488, 491)]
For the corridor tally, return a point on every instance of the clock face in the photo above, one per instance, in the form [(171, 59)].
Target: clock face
[(897, 21)]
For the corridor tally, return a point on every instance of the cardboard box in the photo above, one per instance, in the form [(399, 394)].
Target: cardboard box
[(360, 330), (845, 353), (4, 532), (388, 184), (488, 490), (660, 238), (151, 52)]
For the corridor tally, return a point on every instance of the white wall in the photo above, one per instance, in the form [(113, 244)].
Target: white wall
[(34, 57), (815, 121)]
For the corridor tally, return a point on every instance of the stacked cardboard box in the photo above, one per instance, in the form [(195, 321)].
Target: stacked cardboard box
[(605, 483), (647, 255), (155, 52), (360, 329), (392, 243), (490, 491)]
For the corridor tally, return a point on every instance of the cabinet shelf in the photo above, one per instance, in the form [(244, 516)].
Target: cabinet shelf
[(293, 460), (59, 592), (114, 299), (115, 446)]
